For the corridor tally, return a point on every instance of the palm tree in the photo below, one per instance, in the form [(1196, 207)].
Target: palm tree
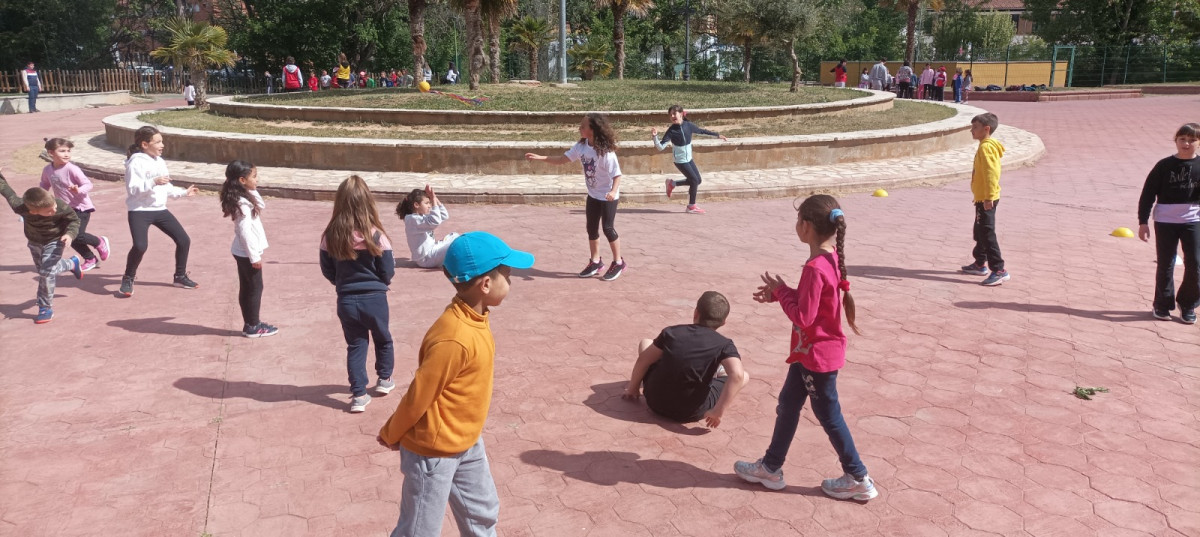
[(741, 22), (590, 59), (620, 8), (470, 10), (195, 46), (416, 28), (496, 11), (530, 34), (912, 8)]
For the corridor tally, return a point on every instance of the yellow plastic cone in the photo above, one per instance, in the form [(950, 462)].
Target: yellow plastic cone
[(1123, 232), (881, 193)]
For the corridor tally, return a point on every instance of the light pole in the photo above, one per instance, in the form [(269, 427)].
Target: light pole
[(562, 42), (687, 38)]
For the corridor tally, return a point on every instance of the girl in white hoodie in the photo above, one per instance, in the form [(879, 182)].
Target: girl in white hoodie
[(423, 213), (147, 187), (241, 202)]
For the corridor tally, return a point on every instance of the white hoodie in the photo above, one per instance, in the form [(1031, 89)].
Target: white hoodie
[(249, 238), (142, 194)]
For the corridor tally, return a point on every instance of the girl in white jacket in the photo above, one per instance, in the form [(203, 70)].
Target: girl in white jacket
[(147, 187), (422, 213), (241, 202)]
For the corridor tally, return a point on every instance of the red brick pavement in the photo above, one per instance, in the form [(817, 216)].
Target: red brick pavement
[(151, 416)]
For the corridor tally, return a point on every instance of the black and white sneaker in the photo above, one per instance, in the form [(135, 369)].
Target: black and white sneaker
[(185, 282), (593, 268), (614, 271), (261, 330)]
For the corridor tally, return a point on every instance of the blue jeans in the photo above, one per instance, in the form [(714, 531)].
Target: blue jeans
[(803, 384), (33, 93), (365, 315), (1168, 239), (463, 479), (47, 259)]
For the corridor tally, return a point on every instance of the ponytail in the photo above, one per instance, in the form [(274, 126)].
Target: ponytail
[(140, 136), (847, 299), (408, 205)]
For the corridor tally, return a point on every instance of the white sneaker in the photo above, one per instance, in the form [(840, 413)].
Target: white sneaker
[(385, 386), (755, 472), (848, 488), (359, 404)]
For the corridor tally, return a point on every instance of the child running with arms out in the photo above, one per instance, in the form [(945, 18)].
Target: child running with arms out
[(423, 212), (679, 135), (356, 257), (438, 425), (818, 352), (1173, 190), (241, 202), (690, 372), (597, 152), (147, 187), (49, 225), (68, 183)]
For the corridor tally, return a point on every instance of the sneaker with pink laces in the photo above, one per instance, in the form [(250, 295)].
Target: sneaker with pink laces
[(755, 472), (694, 209), (102, 248), (670, 187), (848, 488), (88, 264)]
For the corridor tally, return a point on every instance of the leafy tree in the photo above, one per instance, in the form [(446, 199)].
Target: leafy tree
[(590, 59), (1099, 22), (530, 34), (495, 11), (55, 33), (416, 29), (742, 22), (789, 21), (911, 9), (196, 46), (961, 25), (470, 10), (621, 8)]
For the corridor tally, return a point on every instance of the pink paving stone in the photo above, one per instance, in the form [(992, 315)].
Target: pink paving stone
[(1058, 502), (982, 516), (920, 504), (1054, 526), (1130, 515), (1122, 487)]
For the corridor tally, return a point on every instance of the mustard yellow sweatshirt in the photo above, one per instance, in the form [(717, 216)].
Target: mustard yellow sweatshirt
[(445, 407), (985, 177)]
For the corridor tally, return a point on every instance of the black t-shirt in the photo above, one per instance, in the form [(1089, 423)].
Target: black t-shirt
[(678, 382), (1172, 181)]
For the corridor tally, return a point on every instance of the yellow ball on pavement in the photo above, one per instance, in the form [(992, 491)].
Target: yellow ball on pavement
[(423, 86), (881, 193), (1123, 232)]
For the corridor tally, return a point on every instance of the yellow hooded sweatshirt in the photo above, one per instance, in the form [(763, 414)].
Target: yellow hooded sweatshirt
[(985, 178)]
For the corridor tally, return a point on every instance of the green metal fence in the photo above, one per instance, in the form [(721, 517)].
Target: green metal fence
[(1095, 66)]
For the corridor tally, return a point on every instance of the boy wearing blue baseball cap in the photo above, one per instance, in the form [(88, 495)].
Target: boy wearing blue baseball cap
[(437, 427)]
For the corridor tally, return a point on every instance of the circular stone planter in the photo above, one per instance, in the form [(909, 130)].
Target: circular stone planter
[(232, 107), (507, 158)]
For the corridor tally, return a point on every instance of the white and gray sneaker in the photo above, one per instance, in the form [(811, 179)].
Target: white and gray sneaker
[(848, 488), (385, 386), (755, 472), (359, 404)]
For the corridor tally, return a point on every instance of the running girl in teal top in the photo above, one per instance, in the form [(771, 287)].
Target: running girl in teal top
[(679, 135)]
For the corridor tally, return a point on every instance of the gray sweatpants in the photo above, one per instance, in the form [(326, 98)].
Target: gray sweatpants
[(47, 258), (463, 479)]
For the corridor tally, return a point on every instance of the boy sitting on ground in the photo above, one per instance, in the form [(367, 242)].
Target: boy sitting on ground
[(683, 369)]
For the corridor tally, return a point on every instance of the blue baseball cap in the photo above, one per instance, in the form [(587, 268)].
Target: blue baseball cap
[(478, 252)]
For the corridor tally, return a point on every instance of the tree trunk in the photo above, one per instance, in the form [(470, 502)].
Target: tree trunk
[(201, 77), (474, 42), (618, 10), (494, 45), (791, 47), (416, 27), (533, 63), (746, 61), (910, 40)]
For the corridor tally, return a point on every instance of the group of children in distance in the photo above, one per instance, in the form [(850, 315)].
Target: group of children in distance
[(687, 373), (930, 85)]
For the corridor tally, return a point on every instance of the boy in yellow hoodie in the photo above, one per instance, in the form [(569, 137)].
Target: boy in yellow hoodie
[(438, 425), (985, 187)]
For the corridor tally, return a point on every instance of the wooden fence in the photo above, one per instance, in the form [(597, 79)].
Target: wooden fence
[(131, 80)]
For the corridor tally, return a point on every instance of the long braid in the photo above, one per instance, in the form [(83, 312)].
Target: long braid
[(847, 299)]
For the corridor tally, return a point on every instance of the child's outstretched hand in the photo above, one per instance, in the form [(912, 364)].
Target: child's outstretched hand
[(192, 190), (654, 131), (723, 138), (534, 156), (631, 394), (712, 418), (64, 238), (74, 188), (766, 292)]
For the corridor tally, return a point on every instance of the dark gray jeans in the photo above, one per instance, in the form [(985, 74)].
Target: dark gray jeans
[(47, 258)]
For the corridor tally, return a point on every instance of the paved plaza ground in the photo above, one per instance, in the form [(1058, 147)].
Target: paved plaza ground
[(152, 416)]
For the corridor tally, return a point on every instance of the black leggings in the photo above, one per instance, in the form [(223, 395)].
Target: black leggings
[(85, 239), (598, 210), (249, 290), (139, 226), (688, 169)]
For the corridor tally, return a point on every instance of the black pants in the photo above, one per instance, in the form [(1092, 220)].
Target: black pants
[(84, 240), (1168, 239), (688, 169), (250, 287), (987, 248), (905, 90), (940, 92), (929, 91), (597, 210), (139, 227)]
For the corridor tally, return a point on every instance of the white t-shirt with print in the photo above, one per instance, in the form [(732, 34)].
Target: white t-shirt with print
[(598, 171)]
